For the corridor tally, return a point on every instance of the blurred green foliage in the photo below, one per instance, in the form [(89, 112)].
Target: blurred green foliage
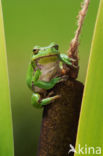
[(90, 131), (39, 22), (6, 131)]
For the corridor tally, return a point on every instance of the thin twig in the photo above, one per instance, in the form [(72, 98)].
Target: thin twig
[(73, 50)]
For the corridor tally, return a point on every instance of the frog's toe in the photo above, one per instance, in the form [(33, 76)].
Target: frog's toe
[(64, 78), (72, 60), (75, 66), (56, 97)]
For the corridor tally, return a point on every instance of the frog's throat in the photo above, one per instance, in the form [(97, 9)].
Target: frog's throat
[(46, 56)]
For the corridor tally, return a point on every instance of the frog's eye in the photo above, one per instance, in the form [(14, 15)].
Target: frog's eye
[(35, 51), (56, 47)]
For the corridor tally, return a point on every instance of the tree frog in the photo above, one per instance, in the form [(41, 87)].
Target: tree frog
[(46, 69)]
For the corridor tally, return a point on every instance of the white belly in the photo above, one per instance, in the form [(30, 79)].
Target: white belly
[(49, 71)]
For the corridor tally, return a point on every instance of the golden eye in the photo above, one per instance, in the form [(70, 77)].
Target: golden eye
[(35, 51)]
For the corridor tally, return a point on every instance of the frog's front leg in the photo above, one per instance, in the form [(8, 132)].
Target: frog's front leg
[(67, 60), (29, 76), (43, 84), (38, 102)]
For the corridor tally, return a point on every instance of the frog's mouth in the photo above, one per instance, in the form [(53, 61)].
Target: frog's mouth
[(48, 56), (47, 59), (54, 55)]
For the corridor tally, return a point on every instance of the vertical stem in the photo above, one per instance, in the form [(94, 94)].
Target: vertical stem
[(6, 133), (73, 51)]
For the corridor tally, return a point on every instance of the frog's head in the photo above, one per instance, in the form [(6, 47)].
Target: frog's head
[(42, 52)]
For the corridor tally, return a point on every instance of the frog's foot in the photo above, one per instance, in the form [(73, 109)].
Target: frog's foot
[(50, 94), (49, 100), (55, 97), (72, 59), (64, 78), (74, 66), (38, 103), (73, 62)]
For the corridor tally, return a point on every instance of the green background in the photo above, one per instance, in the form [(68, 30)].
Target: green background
[(39, 22)]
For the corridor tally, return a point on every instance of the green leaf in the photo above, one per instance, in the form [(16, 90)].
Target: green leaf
[(6, 134), (90, 131)]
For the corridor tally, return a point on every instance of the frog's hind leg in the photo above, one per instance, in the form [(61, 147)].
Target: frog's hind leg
[(49, 100), (38, 103), (29, 76)]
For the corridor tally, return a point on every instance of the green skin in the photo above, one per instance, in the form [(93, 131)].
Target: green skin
[(44, 73)]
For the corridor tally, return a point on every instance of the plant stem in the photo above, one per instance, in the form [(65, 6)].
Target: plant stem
[(60, 120), (73, 50)]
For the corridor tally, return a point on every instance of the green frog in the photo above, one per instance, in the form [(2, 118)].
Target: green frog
[(46, 69)]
